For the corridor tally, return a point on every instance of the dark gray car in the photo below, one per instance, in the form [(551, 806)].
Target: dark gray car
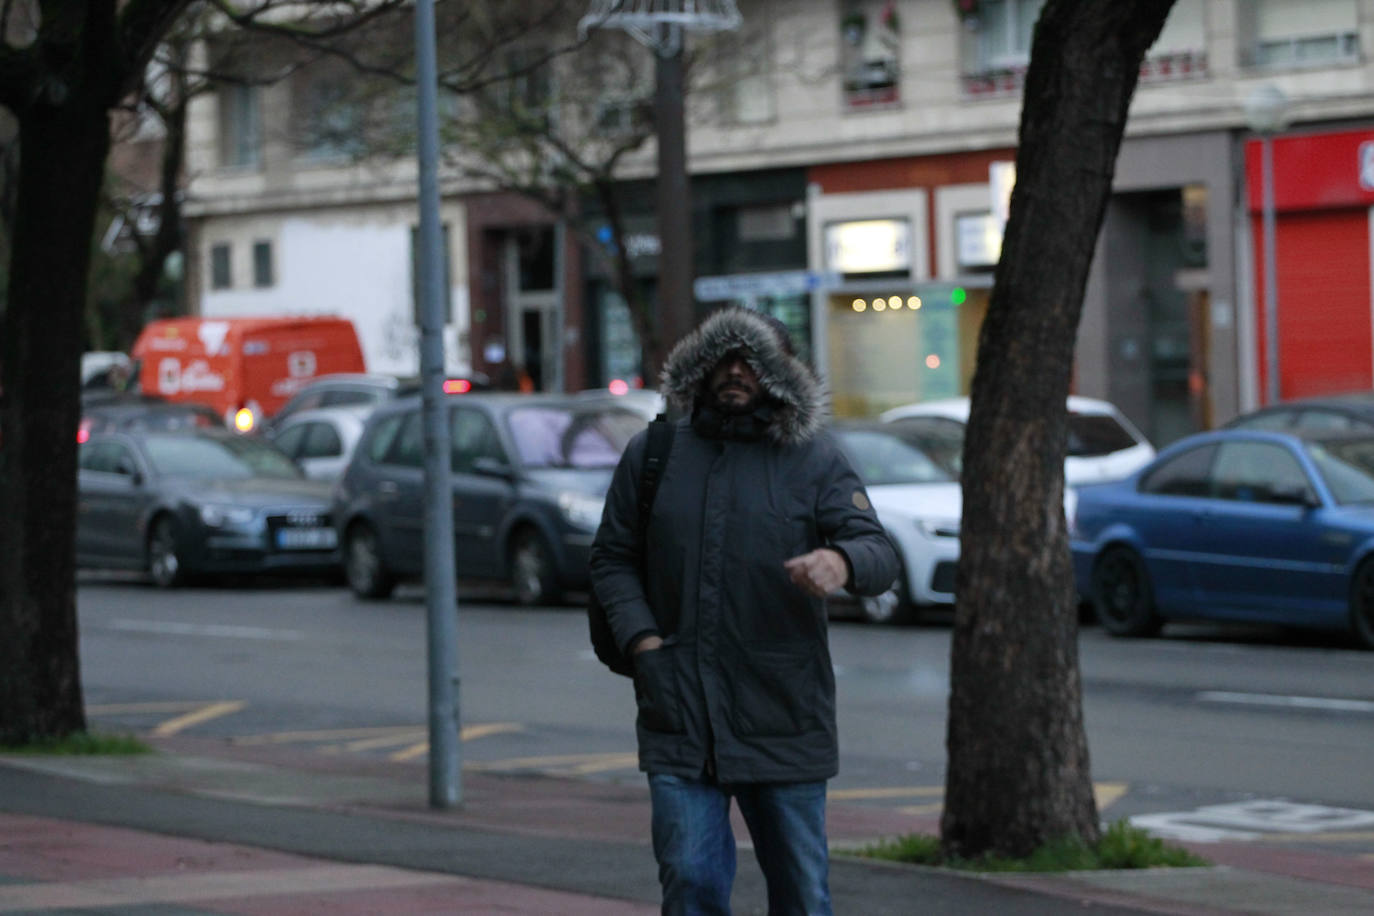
[(176, 504), (529, 479)]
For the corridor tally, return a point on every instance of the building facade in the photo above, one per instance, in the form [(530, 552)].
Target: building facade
[(851, 162)]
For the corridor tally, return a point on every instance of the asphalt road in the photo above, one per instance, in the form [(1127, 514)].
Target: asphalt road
[(1207, 729)]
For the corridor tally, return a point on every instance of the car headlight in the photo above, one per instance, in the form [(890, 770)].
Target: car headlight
[(939, 527), (581, 510), (217, 516)]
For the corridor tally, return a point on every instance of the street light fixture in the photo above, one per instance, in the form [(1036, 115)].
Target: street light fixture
[(1266, 111)]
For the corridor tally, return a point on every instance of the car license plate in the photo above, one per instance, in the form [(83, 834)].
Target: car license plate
[(307, 538)]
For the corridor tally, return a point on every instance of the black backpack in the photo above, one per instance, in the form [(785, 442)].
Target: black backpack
[(655, 456)]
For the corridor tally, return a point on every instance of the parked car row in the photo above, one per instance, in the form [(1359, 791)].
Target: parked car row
[(1270, 519)]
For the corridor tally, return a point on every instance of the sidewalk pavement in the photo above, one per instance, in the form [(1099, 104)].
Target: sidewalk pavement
[(208, 827)]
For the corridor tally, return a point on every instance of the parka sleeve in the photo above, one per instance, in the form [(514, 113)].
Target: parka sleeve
[(615, 555), (848, 523)]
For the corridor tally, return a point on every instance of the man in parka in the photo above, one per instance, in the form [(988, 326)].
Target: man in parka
[(758, 516)]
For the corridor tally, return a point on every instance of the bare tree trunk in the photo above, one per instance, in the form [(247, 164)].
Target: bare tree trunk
[(62, 160), (1018, 773)]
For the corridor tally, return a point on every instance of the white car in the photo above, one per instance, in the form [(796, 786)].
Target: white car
[(918, 503), (1103, 444)]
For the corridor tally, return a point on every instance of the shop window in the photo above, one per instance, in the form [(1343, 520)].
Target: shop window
[(240, 127), (908, 344), (870, 35), (998, 36), (221, 266), (415, 276), (1315, 33), (770, 223), (262, 264)]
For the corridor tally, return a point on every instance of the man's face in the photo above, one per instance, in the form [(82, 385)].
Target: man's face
[(734, 384)]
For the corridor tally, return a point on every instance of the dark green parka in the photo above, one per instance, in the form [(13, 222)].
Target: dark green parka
[(743, 686)]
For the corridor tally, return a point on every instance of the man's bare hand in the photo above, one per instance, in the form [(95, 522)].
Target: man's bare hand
[(819, 572), (647, 644)]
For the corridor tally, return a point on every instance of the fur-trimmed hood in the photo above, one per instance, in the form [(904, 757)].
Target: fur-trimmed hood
[(801, 403)]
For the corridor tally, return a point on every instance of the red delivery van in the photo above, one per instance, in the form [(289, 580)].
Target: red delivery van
[(245, 368)]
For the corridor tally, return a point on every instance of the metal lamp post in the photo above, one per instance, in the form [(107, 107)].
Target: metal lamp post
[(1266, 112)]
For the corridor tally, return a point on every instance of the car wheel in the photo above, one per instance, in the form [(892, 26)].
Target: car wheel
[(164, 558), (890, 607), (532, 574), (367, 575), (1122, 595), (1362, 604)]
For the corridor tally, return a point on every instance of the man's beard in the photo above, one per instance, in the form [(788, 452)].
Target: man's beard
[(735, 408)]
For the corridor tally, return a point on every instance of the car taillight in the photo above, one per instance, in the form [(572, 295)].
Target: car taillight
[(83, 432), (457, 386), (618, 386)]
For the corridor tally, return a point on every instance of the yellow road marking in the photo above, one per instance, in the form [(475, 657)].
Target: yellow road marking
[(1108, 793), (335, 734), (470, 733), (933, 808), (516, 763), (368, 744), (611, 762), (204, 714)]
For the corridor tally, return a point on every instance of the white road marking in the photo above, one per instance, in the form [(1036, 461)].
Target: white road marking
[(1286, 702), (1252, 820), (218, 631)]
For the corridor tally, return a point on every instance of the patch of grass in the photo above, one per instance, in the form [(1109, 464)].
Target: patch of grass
[(1121, 846), (81, 743)]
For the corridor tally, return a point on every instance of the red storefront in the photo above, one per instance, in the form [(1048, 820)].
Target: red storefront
[(1323, 194)]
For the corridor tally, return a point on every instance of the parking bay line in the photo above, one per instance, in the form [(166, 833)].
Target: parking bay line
[(1286, 702), (196, 717), (1105, 793), (468, 733), (221, 631)]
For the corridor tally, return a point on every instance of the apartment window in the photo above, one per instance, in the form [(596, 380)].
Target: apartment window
[(870, 35), (1309, 34), (415, 275), (621, 116), (743, 64), (240, 127), (1001, 37), (221, 267), (331, 125), (770, 223), (262, 264)]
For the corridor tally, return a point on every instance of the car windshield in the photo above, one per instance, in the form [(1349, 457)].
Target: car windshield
[(882, 458), (1347, 466), (573, 435), (204, 457), (1093, 434)]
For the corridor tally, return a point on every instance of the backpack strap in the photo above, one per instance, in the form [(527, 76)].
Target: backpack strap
[(656, 450)]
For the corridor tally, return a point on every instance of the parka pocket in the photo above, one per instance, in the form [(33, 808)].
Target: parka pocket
[(777, 692), (656, 691)]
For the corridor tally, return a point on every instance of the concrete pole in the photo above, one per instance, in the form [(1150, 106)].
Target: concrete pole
[(441, 589)]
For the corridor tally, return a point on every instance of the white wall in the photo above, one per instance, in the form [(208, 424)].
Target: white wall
[(355, 264)]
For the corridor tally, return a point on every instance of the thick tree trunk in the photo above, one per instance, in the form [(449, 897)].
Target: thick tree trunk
[(62, 161), (1018, 773)]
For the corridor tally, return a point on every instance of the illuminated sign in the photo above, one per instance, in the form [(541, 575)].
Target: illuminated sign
[(868, 246)]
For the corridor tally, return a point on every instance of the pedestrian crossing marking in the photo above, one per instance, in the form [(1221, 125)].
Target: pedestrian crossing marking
[(196, 717)]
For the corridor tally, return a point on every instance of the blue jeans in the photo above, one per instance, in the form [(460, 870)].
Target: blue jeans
[(695, 847)]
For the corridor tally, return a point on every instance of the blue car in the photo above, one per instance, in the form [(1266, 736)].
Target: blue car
[(1238, 525)]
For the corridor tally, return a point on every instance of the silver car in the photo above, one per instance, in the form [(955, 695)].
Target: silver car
[(322, 440)]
